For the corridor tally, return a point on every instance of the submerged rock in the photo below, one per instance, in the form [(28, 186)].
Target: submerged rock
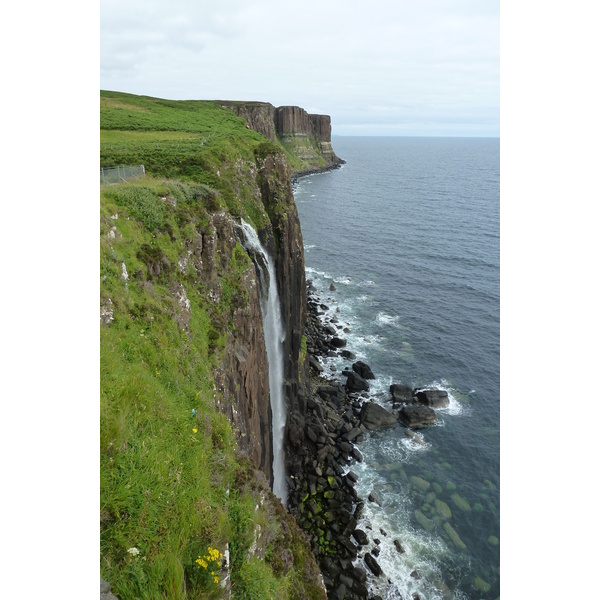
[(423, 521), (460, 502), (443, 509), (421, 483), (454, 536)]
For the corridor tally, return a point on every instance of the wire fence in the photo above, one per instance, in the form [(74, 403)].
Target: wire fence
[(122, 173)]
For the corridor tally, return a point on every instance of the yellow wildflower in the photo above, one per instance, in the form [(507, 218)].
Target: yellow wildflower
[(216, 580), (194, 430)]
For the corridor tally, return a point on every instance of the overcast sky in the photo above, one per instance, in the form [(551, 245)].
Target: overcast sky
[(379, 67)]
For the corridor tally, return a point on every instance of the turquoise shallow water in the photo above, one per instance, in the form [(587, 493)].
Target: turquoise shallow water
[(407, 231)]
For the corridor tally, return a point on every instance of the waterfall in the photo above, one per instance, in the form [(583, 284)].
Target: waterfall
[(274, 336)]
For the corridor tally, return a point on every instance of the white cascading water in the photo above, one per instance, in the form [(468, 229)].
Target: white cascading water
[(274, 336)]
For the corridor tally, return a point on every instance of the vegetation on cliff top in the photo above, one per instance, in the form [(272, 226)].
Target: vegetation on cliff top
[(172, 483)]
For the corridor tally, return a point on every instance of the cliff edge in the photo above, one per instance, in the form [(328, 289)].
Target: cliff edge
[(306, 138)]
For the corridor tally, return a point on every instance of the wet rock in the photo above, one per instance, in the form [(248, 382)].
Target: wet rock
[(359, 575), (363, 370), (417, 416), (373, 416), (361, 537), (337, 342), (398, 546), (374, 497), (434, 398), (401, 393), (373, 565), (315, 364), (413, 436), (347, 354), (355, 383)]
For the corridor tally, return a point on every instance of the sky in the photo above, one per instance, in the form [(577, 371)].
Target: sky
[(384, 67)]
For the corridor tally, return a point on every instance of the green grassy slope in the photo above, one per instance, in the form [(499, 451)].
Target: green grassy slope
[(172, 484)]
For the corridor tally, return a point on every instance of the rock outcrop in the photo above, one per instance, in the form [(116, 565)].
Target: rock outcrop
[(306, 136)]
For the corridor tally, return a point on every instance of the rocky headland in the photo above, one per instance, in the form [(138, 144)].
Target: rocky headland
[(306, 137)]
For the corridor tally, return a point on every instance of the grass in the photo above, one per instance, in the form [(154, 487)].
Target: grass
[(171, 481)]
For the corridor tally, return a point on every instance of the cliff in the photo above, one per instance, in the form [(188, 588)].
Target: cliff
[(306, 138), (186, 425)]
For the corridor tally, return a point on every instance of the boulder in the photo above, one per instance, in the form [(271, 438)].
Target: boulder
[(361, 537), (401, 393), (355, 383), (434, 398), (347, 354), (315, 364), (363, 370), (373, 565), (337, 342), (374, 497), (373, 416), (417, 416)]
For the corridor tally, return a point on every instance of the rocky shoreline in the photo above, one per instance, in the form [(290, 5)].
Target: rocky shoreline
[(322, 495), (297, 174)]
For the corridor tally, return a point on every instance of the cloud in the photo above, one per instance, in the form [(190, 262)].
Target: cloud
[(339, 57)]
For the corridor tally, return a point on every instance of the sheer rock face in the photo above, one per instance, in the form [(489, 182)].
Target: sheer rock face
[(306, 136), (284, 242), (260, 116), (243, 379)]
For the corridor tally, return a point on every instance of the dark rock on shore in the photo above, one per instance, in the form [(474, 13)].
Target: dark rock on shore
[(373, 416), (337, 342), (363, 370), (373, 565), (321, 498), (417, 416), (401, 393), (355, 383), (434, 398)]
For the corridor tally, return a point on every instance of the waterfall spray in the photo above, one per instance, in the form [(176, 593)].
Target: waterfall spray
[(274, 336)]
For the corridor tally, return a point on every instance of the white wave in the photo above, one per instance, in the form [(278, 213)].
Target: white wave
[(455, 407), (385, 319), (311, 271), (344, 280)]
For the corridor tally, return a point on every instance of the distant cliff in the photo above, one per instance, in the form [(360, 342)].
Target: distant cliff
[(306, 138)]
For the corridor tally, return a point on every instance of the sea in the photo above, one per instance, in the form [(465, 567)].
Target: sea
[(402, 244)]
